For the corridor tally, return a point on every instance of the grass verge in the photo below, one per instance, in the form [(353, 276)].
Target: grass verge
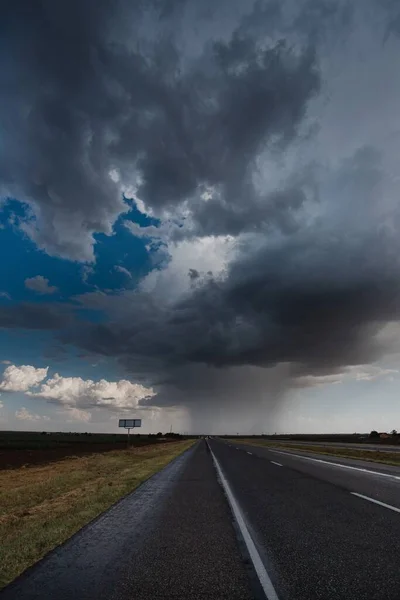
[(387, 458), (41, 507)]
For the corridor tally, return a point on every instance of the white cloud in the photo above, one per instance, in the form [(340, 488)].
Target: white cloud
[(5, 362), (357, 372), (317, 380), (115, 175), (74, 392), (5, 295), (206, 254), (369, 372), (160, 233), (87, 271), (24, 415), (123, 270), (40, 285), (85, 393), (75, 414), (21, 379)]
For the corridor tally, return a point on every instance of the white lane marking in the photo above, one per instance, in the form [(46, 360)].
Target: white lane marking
[(327, 462), (376, 502), (250, 453), (275, 463), (262, 574)]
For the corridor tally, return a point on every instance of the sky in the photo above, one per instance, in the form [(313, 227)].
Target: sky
[(199, 215)]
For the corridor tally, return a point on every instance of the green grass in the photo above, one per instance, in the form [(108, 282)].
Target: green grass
[(387, 458), (41, 507)]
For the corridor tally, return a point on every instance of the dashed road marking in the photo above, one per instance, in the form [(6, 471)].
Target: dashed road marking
[(376, 502), (276, 463), (333, 464)]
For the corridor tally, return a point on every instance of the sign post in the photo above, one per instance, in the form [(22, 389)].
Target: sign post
[(129, 424)]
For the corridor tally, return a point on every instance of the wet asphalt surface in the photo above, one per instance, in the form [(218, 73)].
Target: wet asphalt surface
[(171, 538), (174, 536), (371, 483), (317, 540)]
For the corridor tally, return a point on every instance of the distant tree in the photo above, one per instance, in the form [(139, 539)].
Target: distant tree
[(374, 434), (393, 432), (159, 434)]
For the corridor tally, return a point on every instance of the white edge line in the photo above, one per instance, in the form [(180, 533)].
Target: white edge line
[(327, 462), (376, 502), (262, 574), (276, 463)]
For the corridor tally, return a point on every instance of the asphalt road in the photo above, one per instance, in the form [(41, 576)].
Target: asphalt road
[(289, 525), (317, 539)]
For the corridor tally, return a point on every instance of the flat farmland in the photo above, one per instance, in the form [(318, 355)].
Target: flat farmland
[(20, 448)]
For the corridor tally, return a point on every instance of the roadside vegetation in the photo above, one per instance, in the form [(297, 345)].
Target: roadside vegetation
[(42, 506), (19, 448), (382, 438), (384, 457)]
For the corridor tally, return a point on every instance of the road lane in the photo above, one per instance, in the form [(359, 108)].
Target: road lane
[(381, 482), (267, 587), (173, 538), (316, 539)]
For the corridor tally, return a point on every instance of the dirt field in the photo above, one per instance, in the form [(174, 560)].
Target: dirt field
[(19, 449), (12, 459)]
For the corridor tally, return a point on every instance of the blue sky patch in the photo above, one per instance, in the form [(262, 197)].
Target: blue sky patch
[(121, 260)]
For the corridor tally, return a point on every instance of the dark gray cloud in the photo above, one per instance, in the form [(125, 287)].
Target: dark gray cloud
[(239, 98), (172, 98), (392, 17), (90, 88), (28, 315), (52, 108), (193, 274), (273, 307), (286, 310)]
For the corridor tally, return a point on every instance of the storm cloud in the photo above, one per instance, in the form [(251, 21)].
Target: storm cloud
[(28, 315), (264, 141), (284, 312), (103, 97)]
